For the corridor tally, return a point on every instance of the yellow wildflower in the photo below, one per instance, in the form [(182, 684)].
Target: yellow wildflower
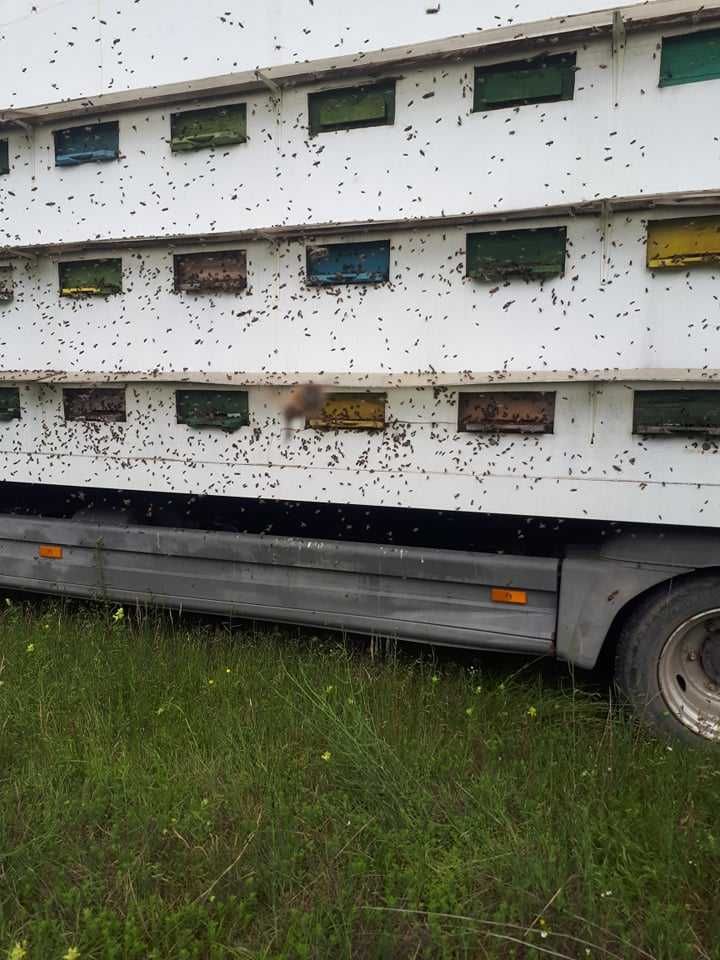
[(326, 756), (72, 954), (19, 951), (30, 647), (532, 712)]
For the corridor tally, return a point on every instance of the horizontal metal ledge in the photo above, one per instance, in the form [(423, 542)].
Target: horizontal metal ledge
[(367, 380), (547, 33), (678, 200)]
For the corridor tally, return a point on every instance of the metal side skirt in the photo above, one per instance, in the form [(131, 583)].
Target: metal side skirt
[(439, 596)]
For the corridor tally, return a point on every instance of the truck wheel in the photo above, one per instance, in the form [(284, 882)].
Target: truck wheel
[(668, 659)]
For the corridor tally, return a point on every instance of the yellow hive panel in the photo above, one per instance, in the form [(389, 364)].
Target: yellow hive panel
[(683, 243), (351, 411)]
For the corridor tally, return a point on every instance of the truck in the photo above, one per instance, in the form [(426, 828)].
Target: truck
[(398, 320)]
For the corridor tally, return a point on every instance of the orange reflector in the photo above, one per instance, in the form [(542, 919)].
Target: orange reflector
[(502, 595), (50, 551)]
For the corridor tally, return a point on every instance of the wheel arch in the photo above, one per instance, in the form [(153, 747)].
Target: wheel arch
[(599, 588), (606, 653)]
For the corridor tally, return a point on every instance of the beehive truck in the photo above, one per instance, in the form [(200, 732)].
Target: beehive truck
[(400, 319)]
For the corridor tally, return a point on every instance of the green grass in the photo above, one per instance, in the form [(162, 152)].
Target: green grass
[(173, 790)]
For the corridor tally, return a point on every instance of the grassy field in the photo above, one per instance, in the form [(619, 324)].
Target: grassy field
[(172, 789)]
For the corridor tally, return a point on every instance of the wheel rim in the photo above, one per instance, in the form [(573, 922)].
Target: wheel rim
[(689, 674)]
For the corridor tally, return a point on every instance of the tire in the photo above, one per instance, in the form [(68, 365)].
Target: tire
[(667, 661)]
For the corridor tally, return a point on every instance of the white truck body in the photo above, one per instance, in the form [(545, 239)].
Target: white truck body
[(605, 328), (559, 540)]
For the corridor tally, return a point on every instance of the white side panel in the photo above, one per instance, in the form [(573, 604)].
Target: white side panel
[(438, 159), (607, 312), (620, 136), (592, 467), (51, 51)]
